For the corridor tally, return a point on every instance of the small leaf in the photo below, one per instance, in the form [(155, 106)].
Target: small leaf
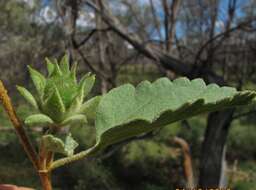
[(54, 106), (79, 118), (38, 80), (50, 66), (55, 144), (84, 86), (126, 111), (87, 83), (38, 119), (70, 145), (64, 64), (28, 96), (89, 108), (57, 71), (73, 72)]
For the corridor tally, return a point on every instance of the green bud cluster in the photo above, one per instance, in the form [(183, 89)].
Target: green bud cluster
[(60, 97)]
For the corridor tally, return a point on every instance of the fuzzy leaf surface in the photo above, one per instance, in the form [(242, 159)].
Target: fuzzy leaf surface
[(55, 144), (50, 66), (54, 106), (89, 108), (28, 96), (79, 118), (38, 119), (127, 111), (38, 80)]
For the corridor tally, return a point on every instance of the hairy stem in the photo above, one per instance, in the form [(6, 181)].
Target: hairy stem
[(38, 163), (46, 158), (7, 104), (45, 178), (75, 157)]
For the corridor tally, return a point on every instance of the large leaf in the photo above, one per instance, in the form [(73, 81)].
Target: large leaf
[(127, 111)]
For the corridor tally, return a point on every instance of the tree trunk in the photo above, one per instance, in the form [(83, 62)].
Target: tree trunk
[(213, 148)]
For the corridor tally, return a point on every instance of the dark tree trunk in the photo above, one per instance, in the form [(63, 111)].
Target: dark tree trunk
[(212, 149)]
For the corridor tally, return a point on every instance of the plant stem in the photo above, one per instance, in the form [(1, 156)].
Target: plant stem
[(45, 178), (73, 158), (45, 159), (29, 149)]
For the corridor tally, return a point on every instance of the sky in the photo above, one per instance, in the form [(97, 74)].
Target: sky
[(219, 23), (223, 4)]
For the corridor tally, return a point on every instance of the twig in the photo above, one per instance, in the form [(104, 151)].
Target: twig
[(243, 114), (6, 129), (187, 164), (10, 129), (91, 33), (220, 35)]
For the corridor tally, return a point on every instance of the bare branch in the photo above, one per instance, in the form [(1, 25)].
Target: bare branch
[(152, 53), (238, 116), (91, 33), (187, 164)]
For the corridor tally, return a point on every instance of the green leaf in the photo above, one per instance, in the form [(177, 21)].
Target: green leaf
[(38, 80), (79, 118), (50, 66), (54, 106), (87, 83), (57, 71), (89, 108), (28, 96), (64, 64), (38, 119), (55, 144), (126, 111), (70, 145), (85, 86), (73, 72)]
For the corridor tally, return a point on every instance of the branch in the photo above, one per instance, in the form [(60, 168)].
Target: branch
[(152, 53), (187, 164), (223, 34), (167, 61), (88, 63), (244, 114), (9, 129), (156, 21), (91, 33), (173, 16), (7, 104), (6, 129)]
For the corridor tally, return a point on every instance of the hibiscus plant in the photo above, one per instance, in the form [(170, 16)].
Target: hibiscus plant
[(124, 112)]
